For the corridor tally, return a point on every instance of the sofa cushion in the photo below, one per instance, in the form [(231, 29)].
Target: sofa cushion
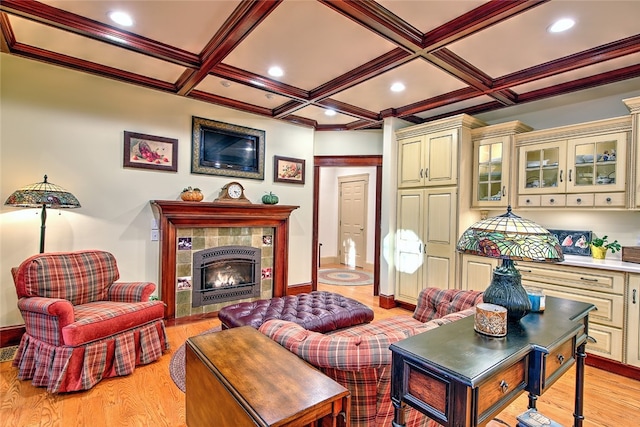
[(97, 320)]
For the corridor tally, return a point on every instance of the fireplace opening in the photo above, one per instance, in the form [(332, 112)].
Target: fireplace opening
[(225, 273)]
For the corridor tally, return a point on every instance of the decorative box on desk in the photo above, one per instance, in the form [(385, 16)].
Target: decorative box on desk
[(461, 378)]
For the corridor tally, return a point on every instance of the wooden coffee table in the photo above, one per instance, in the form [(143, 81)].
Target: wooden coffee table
[(239, 377)]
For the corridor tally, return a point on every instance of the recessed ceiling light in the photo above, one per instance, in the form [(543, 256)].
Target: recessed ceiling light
[(561, 25), (397, 87), (276, 72), (268, 95), (225, 83), (121, 18), (330, 112)]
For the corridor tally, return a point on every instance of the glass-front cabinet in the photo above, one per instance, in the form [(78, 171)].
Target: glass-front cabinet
[(596, 163), (574, 166), (492, 163)]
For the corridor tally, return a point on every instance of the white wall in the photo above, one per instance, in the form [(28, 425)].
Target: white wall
[(70, 126)]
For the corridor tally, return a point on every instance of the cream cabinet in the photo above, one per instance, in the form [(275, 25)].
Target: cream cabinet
[(633, 104), (602, 288), (477, 272), (492, 164), (633, 320), (428, 160), (574, 166), (426, 241)]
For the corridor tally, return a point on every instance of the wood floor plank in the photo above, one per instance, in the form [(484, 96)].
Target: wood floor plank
[(148, 397)]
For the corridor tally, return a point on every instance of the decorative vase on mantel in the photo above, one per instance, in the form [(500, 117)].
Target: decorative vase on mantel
[(191, 195)]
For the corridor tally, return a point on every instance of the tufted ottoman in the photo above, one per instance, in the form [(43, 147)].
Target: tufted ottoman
[(318, 311)]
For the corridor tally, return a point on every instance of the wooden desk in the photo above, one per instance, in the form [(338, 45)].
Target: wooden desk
[(461, 378), (239, 377)]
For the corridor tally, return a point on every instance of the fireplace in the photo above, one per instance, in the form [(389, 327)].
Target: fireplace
[(225, 273)]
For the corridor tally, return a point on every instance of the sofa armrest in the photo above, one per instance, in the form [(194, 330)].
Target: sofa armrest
[(435, 303), (349, 353), (131, 291)]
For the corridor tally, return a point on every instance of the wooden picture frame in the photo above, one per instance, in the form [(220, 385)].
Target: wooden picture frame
[(150, 152), (288, 169)]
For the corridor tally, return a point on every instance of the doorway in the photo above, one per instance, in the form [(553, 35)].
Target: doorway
[(347, 161)]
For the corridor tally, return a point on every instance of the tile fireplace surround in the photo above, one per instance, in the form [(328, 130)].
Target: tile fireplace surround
[(178, 219)]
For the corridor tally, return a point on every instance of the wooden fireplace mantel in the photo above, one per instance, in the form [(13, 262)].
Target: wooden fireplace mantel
[(175, 214)]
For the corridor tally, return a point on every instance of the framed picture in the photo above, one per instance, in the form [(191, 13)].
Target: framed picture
[(288, 169), (219, 148), (150, 152), (573, 242)]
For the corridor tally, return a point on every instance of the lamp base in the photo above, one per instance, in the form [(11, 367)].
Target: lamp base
[(506, 290)]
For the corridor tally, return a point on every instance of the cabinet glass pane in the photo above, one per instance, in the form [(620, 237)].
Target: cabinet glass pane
[(490, 172), (605, 161), (542, 168)]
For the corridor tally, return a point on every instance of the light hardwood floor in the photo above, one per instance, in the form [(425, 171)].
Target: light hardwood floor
[(149, 397)]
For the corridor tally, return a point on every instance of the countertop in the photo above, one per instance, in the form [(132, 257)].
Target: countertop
[(602, 264)]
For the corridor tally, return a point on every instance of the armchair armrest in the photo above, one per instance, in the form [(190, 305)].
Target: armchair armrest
[(348, 353), (44, 318), (131, 291)]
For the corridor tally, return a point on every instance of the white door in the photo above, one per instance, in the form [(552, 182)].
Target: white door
[(352, 228)]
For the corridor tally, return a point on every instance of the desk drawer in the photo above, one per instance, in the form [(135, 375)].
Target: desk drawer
[(501, 388), (558, 361)]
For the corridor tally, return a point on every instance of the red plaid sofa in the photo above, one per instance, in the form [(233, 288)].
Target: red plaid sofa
[(82, 326), (359, 357)]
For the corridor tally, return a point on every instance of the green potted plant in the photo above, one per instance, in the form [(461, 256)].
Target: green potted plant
[(599, 247)]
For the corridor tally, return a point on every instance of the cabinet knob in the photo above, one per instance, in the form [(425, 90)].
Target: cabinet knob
[(560, 359), (608, 199), (504, 386), (528, 201), (552, 200), (579, 200)]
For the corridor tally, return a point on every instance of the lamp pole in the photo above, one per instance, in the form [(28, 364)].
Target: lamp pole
[(42, 226)]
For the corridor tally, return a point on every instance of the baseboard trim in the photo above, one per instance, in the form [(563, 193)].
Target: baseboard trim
[(387, 301), (11, 335), (301, 288), (613, 366)]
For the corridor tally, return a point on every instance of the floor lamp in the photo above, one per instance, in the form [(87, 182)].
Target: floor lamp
[(42, 195), (510, 238)]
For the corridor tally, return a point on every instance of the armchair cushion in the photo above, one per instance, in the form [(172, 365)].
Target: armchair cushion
[(82, 327)]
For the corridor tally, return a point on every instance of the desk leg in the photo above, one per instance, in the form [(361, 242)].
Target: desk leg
[(581, 355), (399, 411)]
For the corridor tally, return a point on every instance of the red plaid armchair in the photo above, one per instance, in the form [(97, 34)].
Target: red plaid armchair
[(81, 326), (359, 357)]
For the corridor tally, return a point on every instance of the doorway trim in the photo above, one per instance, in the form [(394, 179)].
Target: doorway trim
[(346, 161)]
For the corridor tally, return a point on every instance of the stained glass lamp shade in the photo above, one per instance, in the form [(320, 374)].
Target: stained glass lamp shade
[(510, 238), (42, 195)]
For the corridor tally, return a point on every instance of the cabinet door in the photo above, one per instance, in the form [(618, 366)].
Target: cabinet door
[(441, 161), (411, 169), (491, 159), (477, 272), (541, 168), (597, 164), (440, 238), (633, 321), (409, 245)]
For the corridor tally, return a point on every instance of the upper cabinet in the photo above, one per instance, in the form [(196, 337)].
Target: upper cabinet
[(574, 166), (633, 104), (428, 154), (492, 163)]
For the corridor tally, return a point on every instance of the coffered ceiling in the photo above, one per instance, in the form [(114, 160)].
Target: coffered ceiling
[(453, 56)]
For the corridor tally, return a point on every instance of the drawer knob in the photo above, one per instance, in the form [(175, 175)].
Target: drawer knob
[(608, 199), (560, 359), (552, 200), (504, 386), (579, 200), (528, 201)]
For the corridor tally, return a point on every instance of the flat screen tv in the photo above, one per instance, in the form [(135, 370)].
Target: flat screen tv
[(224, 149)]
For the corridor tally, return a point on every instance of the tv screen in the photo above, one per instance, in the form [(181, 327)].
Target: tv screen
[(228, 150), (224, 149)]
